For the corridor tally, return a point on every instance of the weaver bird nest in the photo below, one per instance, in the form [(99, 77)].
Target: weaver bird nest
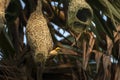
[(79, 15), (38, 35)]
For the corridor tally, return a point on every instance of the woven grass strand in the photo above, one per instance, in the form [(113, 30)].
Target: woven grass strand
[(38, 35)]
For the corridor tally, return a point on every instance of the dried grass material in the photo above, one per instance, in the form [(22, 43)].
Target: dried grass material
[(38, 35), (3, 6), (79, 15)]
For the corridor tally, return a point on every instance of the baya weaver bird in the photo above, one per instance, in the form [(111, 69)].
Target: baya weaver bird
[(38, 35), (3, 6)]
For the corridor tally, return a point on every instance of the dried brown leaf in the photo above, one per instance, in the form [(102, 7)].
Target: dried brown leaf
[(106, 61), (87, 51), (117, 74), (98, 56), (109, 45)]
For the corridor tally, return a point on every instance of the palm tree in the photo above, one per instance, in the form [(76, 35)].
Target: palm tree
[(85, 34)]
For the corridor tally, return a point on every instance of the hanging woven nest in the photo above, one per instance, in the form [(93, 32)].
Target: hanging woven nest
[(38, 35), (79, 14)]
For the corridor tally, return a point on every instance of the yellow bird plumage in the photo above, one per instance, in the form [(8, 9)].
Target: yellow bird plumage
[(38, 35)]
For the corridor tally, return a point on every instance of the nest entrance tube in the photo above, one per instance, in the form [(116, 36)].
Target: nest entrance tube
[(79, 10), (79, 15), (84, 14)]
